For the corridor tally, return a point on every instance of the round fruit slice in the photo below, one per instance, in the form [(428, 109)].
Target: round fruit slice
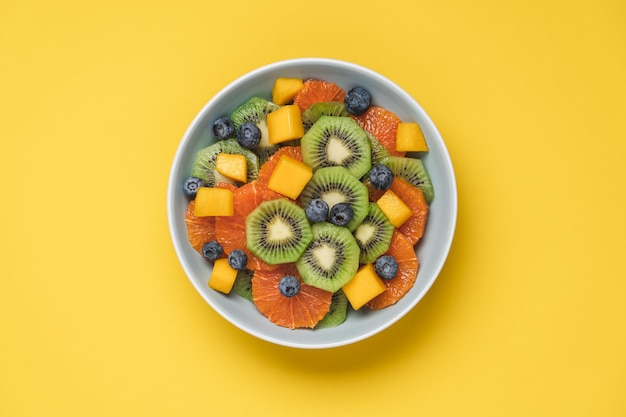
[(277, 231), (331, 259), (318, 91), (414, 198), (403, 252), (230, 231), (337, 141), (302, 310), (338, 311), (383, 124), (200, 230), (373, 235), (336, 185)]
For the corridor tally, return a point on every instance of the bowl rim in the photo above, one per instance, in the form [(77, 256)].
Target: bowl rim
[(452, 207)]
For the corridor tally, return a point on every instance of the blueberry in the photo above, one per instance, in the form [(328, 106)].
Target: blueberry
[(289, 286), (357, 101), (238, 260), (248, 135), (223, 128), (341, 214), (212, 250), (191, 185), (386, 267), (381, 177), (317, 210)]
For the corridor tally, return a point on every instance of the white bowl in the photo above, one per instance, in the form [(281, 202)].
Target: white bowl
[(431, 251)]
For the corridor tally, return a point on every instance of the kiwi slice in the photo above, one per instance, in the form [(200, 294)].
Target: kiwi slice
[(379, 152), (243, 284), (331, 259), (337, 313), (277, 231), (255, 110), (337, 141), (204, 164), (336, 185), (373, 235), (413, 171), (317, 110)]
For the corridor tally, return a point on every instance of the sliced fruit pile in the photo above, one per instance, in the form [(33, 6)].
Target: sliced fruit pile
[(309, 205)]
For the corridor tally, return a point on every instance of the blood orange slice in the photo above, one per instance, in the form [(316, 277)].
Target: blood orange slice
[(383, 124), (403, 252), (303, 310), (200, 230), (413, 197), (318, 91)]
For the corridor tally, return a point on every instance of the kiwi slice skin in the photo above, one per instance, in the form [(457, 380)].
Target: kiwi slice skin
[(331, 259), (337, 141), (204, 163), (413, 171), (373, 235), (277, 231), (336, 185), (255, 110), (337, 313), (243, 284), (317, 110)]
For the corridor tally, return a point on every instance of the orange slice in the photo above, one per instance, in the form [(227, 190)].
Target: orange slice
[(303, 310), (200, 230), (413, 197), (316, 91), (383, 124), (404, 253)]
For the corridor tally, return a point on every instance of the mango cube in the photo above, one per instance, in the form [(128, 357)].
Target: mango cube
[(365, 285), (289, 177), (285, 124), (233, 166), (409, 138), (213, 202), (394, 208), (285, 89), (223, 276)]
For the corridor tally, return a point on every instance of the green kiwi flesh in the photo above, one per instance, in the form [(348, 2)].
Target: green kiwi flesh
[(337, 141), (317, 110), (379, 152), (413, 171), (336, 185), (277, 231), (243, 284), (337, 313), (204, 163), (331, 259), (255, 110), (373, 235)]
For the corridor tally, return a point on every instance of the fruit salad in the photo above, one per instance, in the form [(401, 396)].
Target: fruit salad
[(309, 204)]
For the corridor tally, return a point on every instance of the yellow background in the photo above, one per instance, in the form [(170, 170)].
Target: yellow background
[(528, 317)]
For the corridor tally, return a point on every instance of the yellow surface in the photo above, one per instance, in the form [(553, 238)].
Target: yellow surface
[(528, 317)]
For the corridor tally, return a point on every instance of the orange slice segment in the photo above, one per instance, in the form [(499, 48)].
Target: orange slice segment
[(383, 124), (200, 230), (414, 198), (404, 253), (303, 310), (316, 91)]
